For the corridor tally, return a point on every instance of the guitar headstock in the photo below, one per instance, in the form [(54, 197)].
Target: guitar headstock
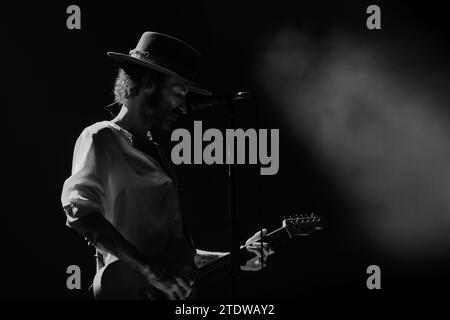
[(302, 225)]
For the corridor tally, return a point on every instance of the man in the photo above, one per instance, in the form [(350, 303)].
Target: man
[(122, 192)]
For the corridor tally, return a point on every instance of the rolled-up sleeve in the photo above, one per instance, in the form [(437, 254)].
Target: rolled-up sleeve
[(83, 191)]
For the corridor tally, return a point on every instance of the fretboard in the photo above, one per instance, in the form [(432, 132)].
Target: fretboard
[(222, 266)]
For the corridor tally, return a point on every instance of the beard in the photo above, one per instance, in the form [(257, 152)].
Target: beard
[(157, 109)]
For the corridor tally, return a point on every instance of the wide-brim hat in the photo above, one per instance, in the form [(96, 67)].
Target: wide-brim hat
[(164, 54)]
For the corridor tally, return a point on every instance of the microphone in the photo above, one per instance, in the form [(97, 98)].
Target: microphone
[(201, 102)]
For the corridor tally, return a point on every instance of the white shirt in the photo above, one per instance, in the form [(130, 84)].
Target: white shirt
[(130, 189)]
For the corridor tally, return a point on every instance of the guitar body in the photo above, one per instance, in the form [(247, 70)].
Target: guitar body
[(119, 281)]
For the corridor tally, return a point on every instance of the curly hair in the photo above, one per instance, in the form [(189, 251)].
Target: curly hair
[(129, 79)]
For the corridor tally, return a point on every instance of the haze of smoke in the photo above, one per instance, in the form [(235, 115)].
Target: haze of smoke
[(377, 126)]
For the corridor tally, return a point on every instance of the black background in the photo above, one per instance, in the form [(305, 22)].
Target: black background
[(58, 82)]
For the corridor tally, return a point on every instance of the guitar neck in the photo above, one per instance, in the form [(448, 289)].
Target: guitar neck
[(222, 265)]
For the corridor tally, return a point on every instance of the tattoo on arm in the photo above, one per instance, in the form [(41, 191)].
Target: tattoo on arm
[(103, 235)]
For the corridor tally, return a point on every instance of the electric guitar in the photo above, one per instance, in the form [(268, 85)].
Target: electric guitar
[(119, 281)]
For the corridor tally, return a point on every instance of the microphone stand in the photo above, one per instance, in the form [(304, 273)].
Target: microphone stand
[(232, 208), (232, 212), (230, 109)]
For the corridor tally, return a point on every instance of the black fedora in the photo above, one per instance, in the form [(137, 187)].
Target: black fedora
[(165, 54)]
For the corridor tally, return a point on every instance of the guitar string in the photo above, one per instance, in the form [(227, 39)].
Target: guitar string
[(198, 273)]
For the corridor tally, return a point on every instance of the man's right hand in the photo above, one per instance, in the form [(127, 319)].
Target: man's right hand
[(105, 237), (174, 286)]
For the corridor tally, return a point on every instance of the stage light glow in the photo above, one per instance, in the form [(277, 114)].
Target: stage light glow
[(375, 116)]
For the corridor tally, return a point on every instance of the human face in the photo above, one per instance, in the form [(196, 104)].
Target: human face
[(168, 102)]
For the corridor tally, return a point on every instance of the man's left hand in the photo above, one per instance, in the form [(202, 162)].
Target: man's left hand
[(254, 246)]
